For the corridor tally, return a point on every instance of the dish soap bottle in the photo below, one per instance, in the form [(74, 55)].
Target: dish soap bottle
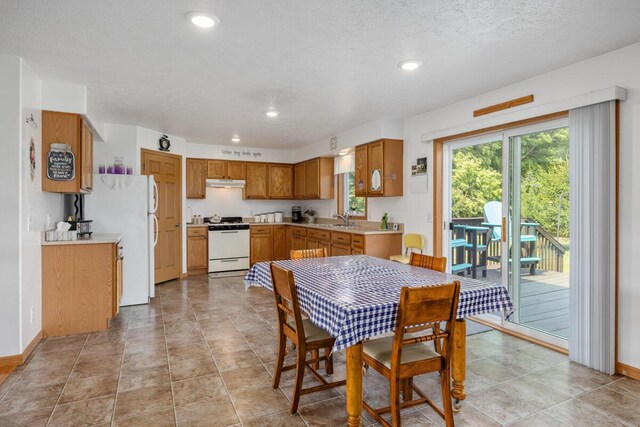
[(384, 224)]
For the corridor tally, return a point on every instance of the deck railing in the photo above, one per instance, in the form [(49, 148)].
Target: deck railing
[(547, 247)]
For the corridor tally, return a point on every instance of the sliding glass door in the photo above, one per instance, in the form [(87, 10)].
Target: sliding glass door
[(506, 198), (539, 221)]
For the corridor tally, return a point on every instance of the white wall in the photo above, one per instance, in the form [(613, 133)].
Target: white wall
[(617, 68), (371, 131), (229, 202), (25, 207), (249, 154), (37, 208), (10, 212)]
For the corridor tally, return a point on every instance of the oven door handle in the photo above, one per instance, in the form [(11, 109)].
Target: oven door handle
[(229, 232), (229, 260)]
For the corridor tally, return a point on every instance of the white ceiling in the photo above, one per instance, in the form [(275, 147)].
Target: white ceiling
[(325, 65)]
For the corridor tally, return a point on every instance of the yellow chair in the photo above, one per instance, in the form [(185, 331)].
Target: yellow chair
[(411, 241)]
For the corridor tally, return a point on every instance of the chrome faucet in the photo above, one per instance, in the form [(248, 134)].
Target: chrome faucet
[(344, 217)]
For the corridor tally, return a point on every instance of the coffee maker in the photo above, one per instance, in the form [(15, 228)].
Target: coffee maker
[(296, 214)]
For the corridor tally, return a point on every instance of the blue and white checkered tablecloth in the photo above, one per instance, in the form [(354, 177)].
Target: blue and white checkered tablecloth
[(356, 297)]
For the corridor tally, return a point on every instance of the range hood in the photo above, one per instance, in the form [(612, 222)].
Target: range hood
[(225, 183)]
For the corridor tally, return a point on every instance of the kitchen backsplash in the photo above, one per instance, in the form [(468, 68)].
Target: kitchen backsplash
[(229, 202)]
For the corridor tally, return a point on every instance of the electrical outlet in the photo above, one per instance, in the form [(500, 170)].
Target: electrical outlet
[(48, 223), (429, 218), (31, 314), (395, 227), (29, 223)]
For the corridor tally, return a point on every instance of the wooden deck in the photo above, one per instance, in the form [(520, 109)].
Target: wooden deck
[(544, 300)]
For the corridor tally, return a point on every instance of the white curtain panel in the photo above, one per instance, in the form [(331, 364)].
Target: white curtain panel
[(592, 229), (344, 164)]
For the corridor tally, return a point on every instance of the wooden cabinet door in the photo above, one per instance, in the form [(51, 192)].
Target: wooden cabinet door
[(299, 171), (196, 187), (312, 179), (62, 128), (117, 298), (216, 169), (280, 246), (86, 163), (261, 248), (361, 171), (197, 251), (298, 242), (280, 181), (375, 163), (340, 250), (236, 170), (357, 251), (256, 185)]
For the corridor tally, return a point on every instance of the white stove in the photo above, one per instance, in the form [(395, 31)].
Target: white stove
[(228, 245)]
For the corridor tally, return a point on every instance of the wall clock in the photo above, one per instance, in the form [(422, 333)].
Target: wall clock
[(163, 143)]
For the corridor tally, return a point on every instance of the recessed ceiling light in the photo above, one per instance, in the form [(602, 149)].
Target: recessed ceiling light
[(272, 113), (409, 64), (203, 19), (235, 139)]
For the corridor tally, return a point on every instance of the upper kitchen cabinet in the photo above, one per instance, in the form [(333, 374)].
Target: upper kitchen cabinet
[(314, 179), (223, 169), (67, 153), (299, 173), (382, 175), (280, 181), (196, 176), (256, 182), (361, 170)]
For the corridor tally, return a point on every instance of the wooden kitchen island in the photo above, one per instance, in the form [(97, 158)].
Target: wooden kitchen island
[(81, 284)]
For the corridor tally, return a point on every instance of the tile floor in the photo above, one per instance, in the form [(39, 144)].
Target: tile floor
[(202, 354)]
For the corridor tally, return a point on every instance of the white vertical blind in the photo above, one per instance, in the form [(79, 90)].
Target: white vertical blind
[(344, 164), (592, 229)]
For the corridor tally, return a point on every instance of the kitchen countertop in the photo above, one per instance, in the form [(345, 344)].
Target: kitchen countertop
[(367, 229), (358, 229), (95, 239)]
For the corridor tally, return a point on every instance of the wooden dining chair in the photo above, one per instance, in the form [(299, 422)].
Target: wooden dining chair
[(306, 336), (308, 253), (401, 357), (427, 261)]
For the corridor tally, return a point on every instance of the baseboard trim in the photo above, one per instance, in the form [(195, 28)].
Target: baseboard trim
[(522, 336), (628, 371), (19, 359)]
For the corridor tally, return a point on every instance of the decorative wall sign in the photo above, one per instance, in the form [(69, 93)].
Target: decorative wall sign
[(32, 159), (61, 163), (241, 153), (333, 143)]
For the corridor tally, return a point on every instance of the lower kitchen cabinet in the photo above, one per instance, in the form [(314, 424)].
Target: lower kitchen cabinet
[(281, 246), (197, 250), (261, 243), (274, 242), (298, 238), (81, 287)]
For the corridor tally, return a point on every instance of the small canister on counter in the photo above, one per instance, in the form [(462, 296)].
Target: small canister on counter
[(278, 216), (256, 218), (263, 217), (271, 217)]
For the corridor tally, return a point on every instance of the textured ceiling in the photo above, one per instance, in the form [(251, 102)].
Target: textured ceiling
[(325, 65)]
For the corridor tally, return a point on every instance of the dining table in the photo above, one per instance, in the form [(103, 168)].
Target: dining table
[(355, 298)]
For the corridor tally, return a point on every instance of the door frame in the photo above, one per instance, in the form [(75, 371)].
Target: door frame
[(143, 151)]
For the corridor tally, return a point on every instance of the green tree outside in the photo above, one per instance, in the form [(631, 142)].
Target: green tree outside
[(477, 179)]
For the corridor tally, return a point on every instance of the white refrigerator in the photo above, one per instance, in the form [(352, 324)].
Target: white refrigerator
[(126, 204)]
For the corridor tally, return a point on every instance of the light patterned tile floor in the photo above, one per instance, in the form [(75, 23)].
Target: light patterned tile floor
[(202, 353)]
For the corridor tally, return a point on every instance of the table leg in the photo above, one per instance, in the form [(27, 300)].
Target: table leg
[(459, 362), (354, 385)]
